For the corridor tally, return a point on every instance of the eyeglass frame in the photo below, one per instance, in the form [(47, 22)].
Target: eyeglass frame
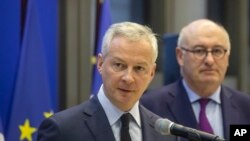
[(206, 51)]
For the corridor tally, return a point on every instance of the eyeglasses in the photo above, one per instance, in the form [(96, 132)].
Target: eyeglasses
[(201, 52)]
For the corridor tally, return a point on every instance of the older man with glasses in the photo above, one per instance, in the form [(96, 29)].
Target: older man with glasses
[(200, 100)]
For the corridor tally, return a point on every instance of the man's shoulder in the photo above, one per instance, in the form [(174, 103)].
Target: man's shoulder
[(234, 92), (69, 113), (148, 112), (77, 111), (236, 96), (164, 91)]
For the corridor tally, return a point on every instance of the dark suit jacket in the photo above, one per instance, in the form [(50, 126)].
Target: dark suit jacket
[(172, 102), (88, 122)]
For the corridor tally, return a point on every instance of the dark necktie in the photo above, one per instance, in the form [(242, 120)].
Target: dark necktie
[(125, 118), (204, 124)]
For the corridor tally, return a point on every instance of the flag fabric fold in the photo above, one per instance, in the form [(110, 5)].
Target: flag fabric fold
[(104, 22), (32, 93), (9, 55)]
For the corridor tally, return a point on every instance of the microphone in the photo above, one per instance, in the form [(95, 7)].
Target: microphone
[(167, 127)]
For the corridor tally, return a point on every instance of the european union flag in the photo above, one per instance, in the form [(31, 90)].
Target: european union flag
[(104, 23), (9, 54), (32, 98)]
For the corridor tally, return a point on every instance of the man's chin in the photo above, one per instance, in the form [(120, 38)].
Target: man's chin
[(210, 81)]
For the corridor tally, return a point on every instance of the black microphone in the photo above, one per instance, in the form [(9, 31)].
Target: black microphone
[(167, 127)]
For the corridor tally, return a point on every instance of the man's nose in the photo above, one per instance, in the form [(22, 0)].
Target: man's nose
[(209, 57), (128, 76)]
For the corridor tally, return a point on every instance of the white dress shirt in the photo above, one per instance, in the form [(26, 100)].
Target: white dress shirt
[(213, 109), (113, 114)]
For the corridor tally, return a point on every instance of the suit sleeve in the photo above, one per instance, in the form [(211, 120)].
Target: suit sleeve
[(49, 131)]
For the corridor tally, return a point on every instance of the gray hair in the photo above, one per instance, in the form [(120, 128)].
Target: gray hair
[(131, 31)]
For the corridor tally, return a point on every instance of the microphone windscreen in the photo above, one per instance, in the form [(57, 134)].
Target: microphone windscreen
[(163, 126)]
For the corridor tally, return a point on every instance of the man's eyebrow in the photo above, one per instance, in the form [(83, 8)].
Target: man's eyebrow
[(140, 63), (199, 46), (203, 46), (118, 59), (143, 64)]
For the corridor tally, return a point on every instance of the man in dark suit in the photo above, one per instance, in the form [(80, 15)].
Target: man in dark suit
[(127, 66), (202, 52)]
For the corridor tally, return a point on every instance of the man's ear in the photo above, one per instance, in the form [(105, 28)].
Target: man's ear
[(179, 55), (99, 62), (154, 70)]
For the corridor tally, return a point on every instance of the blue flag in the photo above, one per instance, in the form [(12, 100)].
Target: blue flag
[(9, 54), (104, 23), (33, 93)]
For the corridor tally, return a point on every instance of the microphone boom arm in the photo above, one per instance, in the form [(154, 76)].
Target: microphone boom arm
[(193, 134)]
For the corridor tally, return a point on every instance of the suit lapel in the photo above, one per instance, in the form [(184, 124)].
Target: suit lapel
[(97, 121), (230, 112), (179, 101), (149, 133), (148, 120)]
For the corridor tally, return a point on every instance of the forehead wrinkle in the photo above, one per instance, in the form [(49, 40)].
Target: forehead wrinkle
[(137, 63)]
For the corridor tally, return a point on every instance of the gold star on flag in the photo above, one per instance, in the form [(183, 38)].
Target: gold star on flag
[(48, 114), (26, 131), (93, 60)]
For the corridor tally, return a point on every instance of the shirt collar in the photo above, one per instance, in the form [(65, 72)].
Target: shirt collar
[(193, 97), (113, 113)]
